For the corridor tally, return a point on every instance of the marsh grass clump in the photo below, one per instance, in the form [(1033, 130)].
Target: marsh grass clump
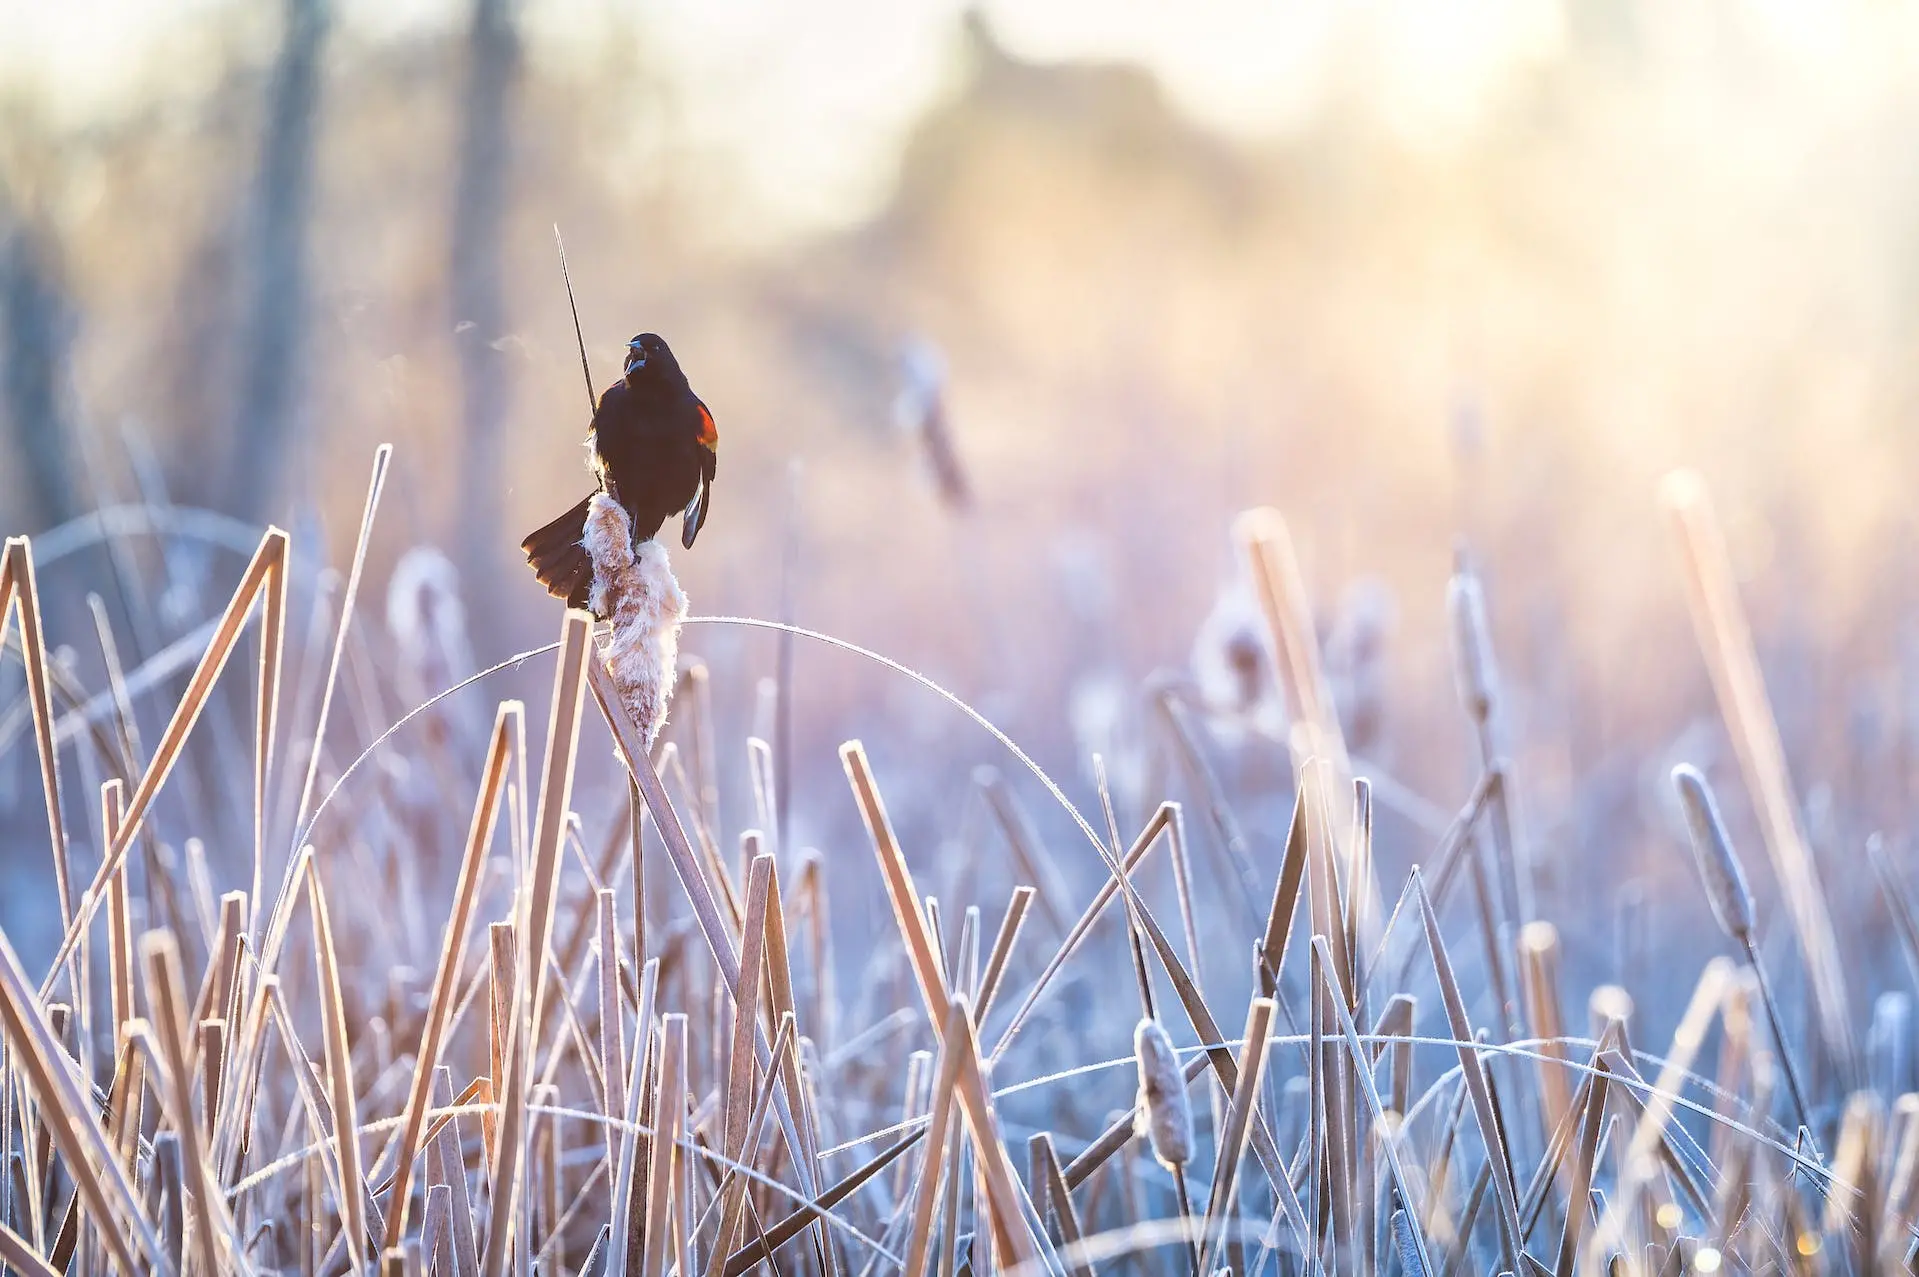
[(621, 1034)]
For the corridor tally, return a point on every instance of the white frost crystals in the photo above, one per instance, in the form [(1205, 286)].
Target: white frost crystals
[(634, 589)]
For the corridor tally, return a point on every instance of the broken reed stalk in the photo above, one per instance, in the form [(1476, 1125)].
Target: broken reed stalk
[(1240, 1121), (1011, 1233), (343, 1092), (535, 927), (1726, 642), (73, 1126), (1472, 1070), (669, 1117), (700, 895), (446, 974), (19, 591), (1725, 882), (171, 1066), (264, 579)]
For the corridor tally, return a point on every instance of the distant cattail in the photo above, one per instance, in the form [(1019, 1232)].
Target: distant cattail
[(1235, 676), (920, 409), (428, 623), (1164, 1113), (1474, 669), (1718, 864), (636, 589), (1356, 661)]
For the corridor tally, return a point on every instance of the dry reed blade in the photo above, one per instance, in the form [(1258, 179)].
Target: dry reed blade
[(166, 999), (452, 1159), (805, 1215), (1725, 640), (20, 1254), (1011, 1231), (739, 1083), (933, 1167), (376, 483), (446, 975), (534, 927), (223, 959), (1279, 919), (1539, 987), (730, 1200), (1582, 1178), (1241, 1118), (1658, 1112), (37, 1057), (19, 590), (212, 1060), (1003, 943), (612, 1038), (1475, 1079), (1148, 837), (113, 796), (670, 1112), (1050, 1181), (262, 573), (343, 1096), (1401, 1183), (686, 864), (1274, 566), (630, 1157)]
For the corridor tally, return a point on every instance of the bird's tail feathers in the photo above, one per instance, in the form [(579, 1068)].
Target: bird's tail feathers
[(559, 559)]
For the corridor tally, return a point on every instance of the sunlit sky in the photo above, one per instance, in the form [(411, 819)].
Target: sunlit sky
[(807, 101)]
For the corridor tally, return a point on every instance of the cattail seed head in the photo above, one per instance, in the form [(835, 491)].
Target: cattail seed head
[(634, 587), (1719, 866), (1474, 669), (1164, 1113)]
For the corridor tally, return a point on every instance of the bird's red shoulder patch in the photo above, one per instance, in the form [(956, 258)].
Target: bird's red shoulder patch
[(709, 433)]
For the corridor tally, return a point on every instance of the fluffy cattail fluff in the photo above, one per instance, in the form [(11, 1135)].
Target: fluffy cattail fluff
[(1164, 1113), (1474, 669), (1719, 865), (635, 589)]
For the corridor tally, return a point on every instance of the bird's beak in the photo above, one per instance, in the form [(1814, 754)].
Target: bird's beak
[(635, 355)]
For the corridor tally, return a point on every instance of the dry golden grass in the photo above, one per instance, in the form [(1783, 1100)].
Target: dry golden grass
[(667, 1081)]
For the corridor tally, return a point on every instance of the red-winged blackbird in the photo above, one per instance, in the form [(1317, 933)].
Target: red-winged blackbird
[(654, 448)]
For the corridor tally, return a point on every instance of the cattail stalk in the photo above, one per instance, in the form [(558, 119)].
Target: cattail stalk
[(1731, 900)]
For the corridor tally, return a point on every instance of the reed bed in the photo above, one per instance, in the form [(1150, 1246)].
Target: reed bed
[(648, 1048)]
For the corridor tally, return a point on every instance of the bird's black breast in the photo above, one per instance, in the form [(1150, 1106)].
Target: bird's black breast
[(646, 441)]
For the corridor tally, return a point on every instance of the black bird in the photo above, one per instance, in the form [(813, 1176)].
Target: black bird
[(654, 448)]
